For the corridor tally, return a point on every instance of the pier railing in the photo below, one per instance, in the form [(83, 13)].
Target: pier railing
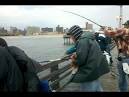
[(56, 71)]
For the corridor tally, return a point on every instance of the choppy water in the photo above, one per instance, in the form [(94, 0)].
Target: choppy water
[(39, 48)]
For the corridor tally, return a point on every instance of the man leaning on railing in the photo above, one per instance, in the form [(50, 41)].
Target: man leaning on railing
[(88, 66)]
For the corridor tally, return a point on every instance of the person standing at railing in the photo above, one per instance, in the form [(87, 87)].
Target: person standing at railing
[(10, 75), (89, 59), (104, 41), (31, 82), (121, 38)]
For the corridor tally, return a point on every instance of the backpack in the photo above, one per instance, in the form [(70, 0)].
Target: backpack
[(102, 41)]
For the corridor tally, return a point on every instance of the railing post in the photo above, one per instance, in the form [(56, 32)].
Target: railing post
[(55, 68)]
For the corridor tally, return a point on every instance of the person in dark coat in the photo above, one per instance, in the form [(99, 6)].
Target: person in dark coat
[(91, 63), (30, 79), (10, 76)]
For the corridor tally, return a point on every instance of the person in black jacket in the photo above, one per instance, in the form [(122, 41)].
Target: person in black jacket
[(10, 76), (91, 63), (31, 82)]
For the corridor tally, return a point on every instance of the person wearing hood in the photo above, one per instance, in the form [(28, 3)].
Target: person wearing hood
[(10, 76), (90, 66), (26, 65)]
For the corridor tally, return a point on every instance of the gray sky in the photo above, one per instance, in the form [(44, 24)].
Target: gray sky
[(52, 15)]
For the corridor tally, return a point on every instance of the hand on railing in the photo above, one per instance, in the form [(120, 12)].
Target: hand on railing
[(73, 57)]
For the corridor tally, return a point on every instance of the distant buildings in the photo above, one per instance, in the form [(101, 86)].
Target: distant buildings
[(59, 29), (32, 30), (43, 30), (3, 30), (16, 31), (66, 30), (89, 26), (22, 32), (13, 29)]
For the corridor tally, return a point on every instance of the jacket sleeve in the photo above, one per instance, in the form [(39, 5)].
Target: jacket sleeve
[(19, 54), (71, 50), (3, 63), (82, 51), (14, 79), (31, 76)]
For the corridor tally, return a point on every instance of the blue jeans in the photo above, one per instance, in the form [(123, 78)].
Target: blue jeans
[(93, 86), (122, 81)]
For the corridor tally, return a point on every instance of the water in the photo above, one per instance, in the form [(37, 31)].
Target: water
[(39, 48)]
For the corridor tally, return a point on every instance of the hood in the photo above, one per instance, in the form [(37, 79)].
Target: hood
[(89, 35)]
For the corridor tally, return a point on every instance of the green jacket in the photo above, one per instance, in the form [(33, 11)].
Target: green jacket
[(90, 60)]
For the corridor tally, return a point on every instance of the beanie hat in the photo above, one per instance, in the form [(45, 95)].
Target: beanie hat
[(75, 31)]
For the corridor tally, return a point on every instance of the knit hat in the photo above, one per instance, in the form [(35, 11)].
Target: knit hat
[(75, 31)]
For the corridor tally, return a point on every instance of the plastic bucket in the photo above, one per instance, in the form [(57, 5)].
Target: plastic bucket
[(44, 86)]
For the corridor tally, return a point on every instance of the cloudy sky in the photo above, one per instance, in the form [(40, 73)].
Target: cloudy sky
[(51, 16)]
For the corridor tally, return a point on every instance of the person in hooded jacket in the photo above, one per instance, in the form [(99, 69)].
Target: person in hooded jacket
[(10, 76), (31, 82), (89, 59)]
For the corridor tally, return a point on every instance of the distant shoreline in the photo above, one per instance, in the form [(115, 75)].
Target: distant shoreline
[(35, 36)]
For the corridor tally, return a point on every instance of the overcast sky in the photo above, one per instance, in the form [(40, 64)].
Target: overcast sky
[(51, 16)]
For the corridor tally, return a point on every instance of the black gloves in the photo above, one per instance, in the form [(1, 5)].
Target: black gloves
[(119, 58)]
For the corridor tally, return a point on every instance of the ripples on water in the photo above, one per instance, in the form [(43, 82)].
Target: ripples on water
[(39, 48)]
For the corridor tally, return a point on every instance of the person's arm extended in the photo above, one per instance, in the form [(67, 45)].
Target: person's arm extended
[(116, 33), (71, 50), (14, 80)]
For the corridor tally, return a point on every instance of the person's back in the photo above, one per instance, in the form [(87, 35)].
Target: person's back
[(89, 60), (91, 66), (25, 64), (103, 42), (10, 75), (31, 80)]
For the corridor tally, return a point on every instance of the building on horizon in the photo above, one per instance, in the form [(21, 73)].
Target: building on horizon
[(3, 30), (59, 29), (43, 30), (66, 30), (89, 26), (32, 30), (16, 31), (13, 29)]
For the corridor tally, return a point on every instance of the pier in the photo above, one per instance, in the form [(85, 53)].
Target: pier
[(58, 73), (67, 40)]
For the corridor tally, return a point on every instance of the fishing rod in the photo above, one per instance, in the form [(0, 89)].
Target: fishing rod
[(85, 18)]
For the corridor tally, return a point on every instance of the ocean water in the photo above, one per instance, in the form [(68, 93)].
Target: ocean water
[(39, 48)]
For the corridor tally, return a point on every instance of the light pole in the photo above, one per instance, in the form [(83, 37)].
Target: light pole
[(121, 16)]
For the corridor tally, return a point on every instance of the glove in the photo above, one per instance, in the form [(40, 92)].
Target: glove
[(119, 58)]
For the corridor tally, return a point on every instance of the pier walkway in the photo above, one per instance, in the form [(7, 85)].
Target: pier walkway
[(58, 72), (109, 81)]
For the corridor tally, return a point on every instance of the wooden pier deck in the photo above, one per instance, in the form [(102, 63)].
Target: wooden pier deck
[(109, 81)]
